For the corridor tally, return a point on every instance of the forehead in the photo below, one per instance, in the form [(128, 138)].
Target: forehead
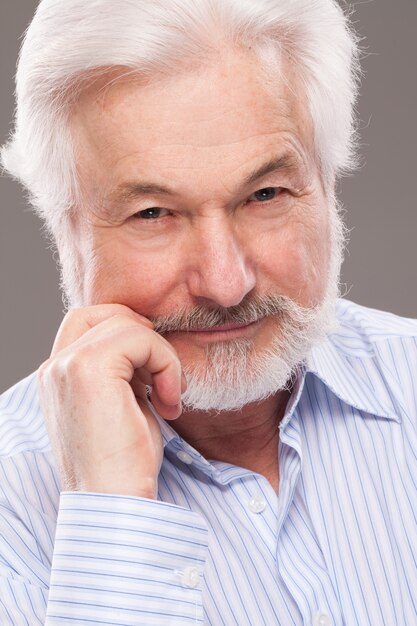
[(221, 121)]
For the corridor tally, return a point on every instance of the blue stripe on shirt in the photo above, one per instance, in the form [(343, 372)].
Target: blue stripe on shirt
[(339, 540)]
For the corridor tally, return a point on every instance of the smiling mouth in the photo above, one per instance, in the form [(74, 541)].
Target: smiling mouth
[(231, 326), (224, 332)]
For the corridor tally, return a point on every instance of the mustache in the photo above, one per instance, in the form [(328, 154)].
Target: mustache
[(248, 311)]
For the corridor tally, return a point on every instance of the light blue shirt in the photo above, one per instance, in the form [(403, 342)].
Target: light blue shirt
[(336, 547)]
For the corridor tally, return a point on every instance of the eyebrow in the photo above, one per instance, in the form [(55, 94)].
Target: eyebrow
[(132, 190), (286, 162)]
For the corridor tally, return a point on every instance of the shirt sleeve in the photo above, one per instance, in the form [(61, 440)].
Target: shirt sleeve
[(116, 560)]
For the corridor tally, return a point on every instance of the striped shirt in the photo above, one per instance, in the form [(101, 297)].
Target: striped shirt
[(336, 547)]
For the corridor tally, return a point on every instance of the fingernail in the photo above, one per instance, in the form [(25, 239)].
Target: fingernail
[(178, 411)]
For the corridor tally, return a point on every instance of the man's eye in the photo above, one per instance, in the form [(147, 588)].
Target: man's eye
[(268, 193), (152, 213)]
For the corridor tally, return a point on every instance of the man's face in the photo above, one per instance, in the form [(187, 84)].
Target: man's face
[(202, 191)]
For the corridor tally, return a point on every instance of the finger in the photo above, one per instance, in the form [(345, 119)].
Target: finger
[(142, 387), (114, 324), (168, 412), (141, 378), (166, 375), (79, 321), (122, 352)]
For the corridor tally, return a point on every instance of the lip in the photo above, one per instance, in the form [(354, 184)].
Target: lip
[(226, 332), (224, 328)]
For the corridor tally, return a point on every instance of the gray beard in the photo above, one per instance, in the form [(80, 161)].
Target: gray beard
[(235, 373)]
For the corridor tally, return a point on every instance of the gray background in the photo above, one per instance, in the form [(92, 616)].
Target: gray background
[(380, 268)]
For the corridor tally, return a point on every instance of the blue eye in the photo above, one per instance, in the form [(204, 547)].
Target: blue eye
[(268, 193), (152, 213)]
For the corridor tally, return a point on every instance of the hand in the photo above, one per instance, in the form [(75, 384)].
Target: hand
[(93, 396)]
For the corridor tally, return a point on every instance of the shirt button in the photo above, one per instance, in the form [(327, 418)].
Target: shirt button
[(257, 504), (185, 457), (191, 577), (321, 619)]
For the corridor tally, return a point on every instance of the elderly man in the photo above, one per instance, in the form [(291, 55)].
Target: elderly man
[(215, 438)]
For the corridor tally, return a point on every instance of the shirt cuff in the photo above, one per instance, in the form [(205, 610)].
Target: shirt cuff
[(126, 560)]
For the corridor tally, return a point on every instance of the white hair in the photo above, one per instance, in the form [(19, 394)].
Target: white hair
[(69, 42)]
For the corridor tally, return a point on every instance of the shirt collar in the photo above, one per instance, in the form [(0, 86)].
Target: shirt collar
[(168, 433), (336, 369), (174, 444), (352, 377)]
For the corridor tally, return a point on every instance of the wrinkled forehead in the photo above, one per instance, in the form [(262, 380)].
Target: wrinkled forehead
[(237, 79), (221, 117)]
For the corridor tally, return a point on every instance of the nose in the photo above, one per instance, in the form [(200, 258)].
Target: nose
[(220, 269)]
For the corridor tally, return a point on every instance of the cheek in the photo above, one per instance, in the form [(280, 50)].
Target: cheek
[(295, 260), (119, 272)]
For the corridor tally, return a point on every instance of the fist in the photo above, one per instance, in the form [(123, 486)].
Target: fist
[(94, 399)]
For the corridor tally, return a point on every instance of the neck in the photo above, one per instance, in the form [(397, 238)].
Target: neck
[(248, 437)]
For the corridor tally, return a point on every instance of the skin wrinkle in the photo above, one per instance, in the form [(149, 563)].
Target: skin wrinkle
[(107, 211), (298, 174), (216, 250), (111, 94), (274, 165), (125, 197)]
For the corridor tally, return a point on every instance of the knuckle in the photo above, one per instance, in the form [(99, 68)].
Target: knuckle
[(121, 309), (119, 317), (71, 315), (44, 370), (124, 312), (78, 363), (118, 310), (50, 374), (73, 365)]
